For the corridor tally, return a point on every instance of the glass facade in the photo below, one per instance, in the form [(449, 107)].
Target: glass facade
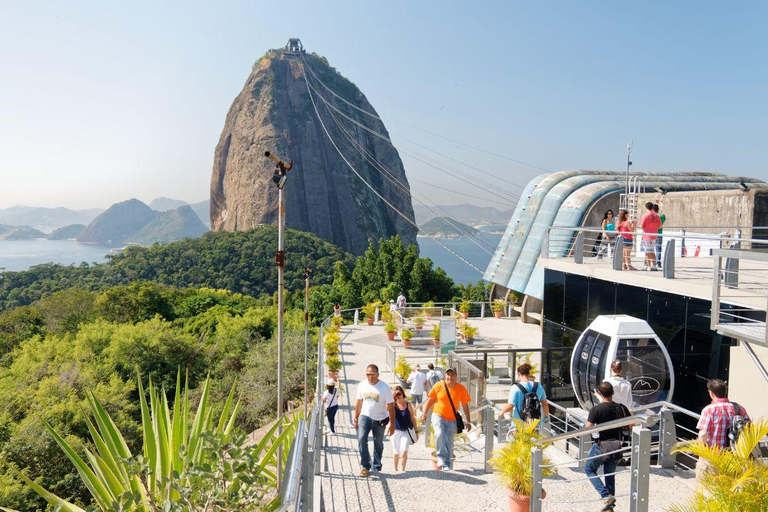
[(572, 302)]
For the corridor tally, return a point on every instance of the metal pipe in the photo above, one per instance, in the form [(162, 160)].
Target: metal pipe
[(280, 286), (755, 359)]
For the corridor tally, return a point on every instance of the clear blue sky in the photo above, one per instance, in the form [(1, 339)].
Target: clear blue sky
[(100, 102)]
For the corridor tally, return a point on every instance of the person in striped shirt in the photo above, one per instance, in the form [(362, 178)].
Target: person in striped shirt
[(716, 419)]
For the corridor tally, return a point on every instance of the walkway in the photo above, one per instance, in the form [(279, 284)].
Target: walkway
[(467, 487)]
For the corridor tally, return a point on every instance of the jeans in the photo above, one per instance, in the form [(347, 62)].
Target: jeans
[(609, 489), (364, 426), (418, 397), (445, 431), (331, 413)]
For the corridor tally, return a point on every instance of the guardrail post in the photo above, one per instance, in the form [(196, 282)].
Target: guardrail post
[(669, 260), (357, 316), (618, 253), (585, 444), (537, 458), (640, 469), (307, 475), (731, 270), (682, 243), (482, 310), (667, 439), (488, 429), (578, 248), (376, 315)]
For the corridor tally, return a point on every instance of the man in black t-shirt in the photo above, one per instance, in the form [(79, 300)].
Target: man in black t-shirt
[(609, 440)]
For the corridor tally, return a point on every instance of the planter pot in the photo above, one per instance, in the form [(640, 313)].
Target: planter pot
[(497, 314), (470, 341), (403, 382), (493, 379), (417, 328), (369, 320), (436, 343), (427, 315), (391, 336), (520, 503), (466, 315), (407, 343)]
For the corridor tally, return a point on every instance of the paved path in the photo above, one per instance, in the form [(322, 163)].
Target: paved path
[(420, 488)]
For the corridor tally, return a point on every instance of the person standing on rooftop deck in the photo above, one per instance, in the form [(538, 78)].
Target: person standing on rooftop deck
[(663, 219), (417, 380), (433, 378), (521, 402), (446, 396), (622, 389), (650, 224), (606, 441), (626, 228), (401, 301), (374, 409), (716, 420), (392, 305), (405, 427), (337, 309), (608, 237)]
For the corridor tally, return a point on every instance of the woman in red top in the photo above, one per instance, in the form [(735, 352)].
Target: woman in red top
[(627, 227)]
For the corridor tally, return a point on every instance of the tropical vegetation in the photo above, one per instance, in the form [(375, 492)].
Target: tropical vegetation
[(512, 460)]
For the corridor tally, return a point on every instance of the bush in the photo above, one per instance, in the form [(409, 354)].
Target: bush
[(403, 369)]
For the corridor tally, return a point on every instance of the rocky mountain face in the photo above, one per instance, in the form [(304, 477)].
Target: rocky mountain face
[(323, 196)]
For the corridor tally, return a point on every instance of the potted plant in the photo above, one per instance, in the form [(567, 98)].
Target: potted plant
[(469, 333), (735, 479), (406, 336), (498, 306), (492, 377), (464, 307), (418, 322), (403, 371), (390, 329), (334, 365), (337, 321), (512, 462), (331, 347), (369, 310), (426, 309), (436, 335)]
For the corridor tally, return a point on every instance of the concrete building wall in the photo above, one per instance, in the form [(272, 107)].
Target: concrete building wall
[(706, 208), (594, 216), (746, 384)]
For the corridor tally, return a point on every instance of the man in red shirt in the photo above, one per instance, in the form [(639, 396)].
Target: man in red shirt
[(716, 419), (650, 224)]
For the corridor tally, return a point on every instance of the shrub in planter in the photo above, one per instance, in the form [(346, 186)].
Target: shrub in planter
[(512, 462), (469, 333), (464, 307), (406, 336), (369, 310), (436, 334), (418, 322), (390, 329), (334, 365), (331, 348), (426, 308), (498, 307), (337, 321), (402, 368)]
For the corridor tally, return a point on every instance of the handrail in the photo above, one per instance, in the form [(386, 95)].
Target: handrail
[(643, 419), (293, 470), (668, 232), (667, 405)]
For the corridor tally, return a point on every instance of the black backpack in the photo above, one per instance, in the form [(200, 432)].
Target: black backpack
[(738, 423), (531, 404)]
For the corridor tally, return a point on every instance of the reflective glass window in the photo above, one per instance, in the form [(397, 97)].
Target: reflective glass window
[(602, 299), (645, 367), (554, 290), (575, 303)]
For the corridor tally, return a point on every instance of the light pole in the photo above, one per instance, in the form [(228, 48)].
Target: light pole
[(305, 275), (281, 174)]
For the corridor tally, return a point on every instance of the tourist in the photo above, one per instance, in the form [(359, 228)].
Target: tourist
[(622, 389), (405, 427), (374, 409), (401, 301), (336, 310), (606, 441), (626, 228), (392, 306), (417, 380), (446, 396), (609, 226), (433, 377), (527, 400), (331, 402), (716, 421), (650, 224), (663, 219)]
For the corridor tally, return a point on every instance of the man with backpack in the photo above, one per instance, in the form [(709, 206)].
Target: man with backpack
[(527, 398), (721, 422)]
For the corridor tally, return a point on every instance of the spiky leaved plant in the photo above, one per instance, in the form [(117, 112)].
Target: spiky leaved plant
[(736, 481), (175, 447), (512, 460)]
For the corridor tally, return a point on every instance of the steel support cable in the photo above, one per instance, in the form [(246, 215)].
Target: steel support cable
[(317, 113), (376, 164), (386, 138), (508, 205), (484, 152)]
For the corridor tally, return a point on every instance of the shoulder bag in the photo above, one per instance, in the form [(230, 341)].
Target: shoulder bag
[(612, 445), (459, 420)]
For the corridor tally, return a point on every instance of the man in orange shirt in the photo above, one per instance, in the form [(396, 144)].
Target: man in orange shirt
[(443, 417)]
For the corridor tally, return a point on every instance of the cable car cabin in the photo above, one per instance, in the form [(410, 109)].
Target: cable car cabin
[(644, 359)]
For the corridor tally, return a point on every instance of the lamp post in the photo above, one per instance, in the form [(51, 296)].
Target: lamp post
[(281, 174), (305, 275)]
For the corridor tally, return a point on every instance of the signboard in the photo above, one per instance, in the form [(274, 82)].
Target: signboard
[(447, 335)]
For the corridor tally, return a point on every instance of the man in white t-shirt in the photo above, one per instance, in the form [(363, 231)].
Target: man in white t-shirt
[(374, 404), (417, 380)]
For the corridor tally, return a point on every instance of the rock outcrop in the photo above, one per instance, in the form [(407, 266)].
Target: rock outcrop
[(67, 232), (170, 226), (274, 113), (117, 223)]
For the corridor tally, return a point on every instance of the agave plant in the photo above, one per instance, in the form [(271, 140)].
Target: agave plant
[(736, 481), (174, 450)]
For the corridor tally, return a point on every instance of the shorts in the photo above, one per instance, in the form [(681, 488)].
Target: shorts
[(628, 242), (400, 442), (648, 245)]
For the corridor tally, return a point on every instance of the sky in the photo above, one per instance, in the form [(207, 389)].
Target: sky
[(102, 102)]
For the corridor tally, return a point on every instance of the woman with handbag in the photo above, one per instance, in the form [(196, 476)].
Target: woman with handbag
[(405, 427), (447, 396), (331, 401)]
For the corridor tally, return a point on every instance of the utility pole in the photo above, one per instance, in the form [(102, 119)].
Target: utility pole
[(629, 163), (305, 275), (281, 174)]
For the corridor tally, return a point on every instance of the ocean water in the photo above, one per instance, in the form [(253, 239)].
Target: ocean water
[(22, 254)]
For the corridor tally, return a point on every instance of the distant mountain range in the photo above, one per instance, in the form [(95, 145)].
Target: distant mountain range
[(446, 227), (465, 213)]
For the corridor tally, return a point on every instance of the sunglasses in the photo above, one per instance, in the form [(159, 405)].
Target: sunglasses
[(371, 373)]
